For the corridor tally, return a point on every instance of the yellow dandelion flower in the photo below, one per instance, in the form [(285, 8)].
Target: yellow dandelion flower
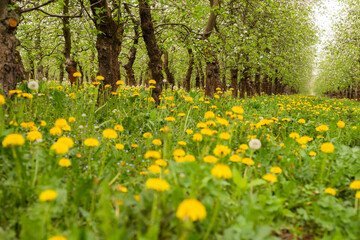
[(60, 148), (155, 169), (340, 124), (330, 191), (67, 141), (270, 177), (13, 140), (225, 136), (210, 159), (58, 237), (110, 134), (276, 170), (147, 135), (64, 162), (189, 158), (100, 78), (170, 119), (237, 109), (55, 131), (221, 171), (119, 146), (157, 184), (235, 158), (197, 137), (48, 195), (161, 162), (189, 131), (91, 142), (312, 154), (2, 100), (191, 209), (209, 115), (322, 128), (152, 154), (157, 142), (327, 147), (221, 150), (33, 136), (355, 185), (248, 161), (119, 128), (60, 123), (302, 121)]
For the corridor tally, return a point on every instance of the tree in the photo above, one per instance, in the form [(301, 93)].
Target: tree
[(153, 50), (110, 26), (11, 67)]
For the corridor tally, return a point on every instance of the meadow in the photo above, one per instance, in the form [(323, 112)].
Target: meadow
[(87, 163)]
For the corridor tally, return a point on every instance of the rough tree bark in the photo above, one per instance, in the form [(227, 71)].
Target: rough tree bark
[(197, 79), (152, 47), (234, 82), (212, 63), (187, 82), (70, 64), (243, 85), (202, 76), (109, 40), (11, 67), (169, 75), (133, 49), (258, 82)]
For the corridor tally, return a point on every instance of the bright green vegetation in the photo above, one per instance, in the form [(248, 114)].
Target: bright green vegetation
[(103, 193)]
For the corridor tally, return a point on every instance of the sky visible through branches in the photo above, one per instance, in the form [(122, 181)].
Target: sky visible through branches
[(325, 16)]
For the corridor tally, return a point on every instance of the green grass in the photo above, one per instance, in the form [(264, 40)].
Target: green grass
[(92, 202)]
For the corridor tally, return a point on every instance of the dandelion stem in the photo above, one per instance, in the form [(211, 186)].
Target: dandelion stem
[(215, 213), (154, 210), (18, 165), (322, 169), (36, 171), (356, 204)]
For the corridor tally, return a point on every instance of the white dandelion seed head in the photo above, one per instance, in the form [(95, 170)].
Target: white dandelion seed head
[(33, 85), (255, 144), (81, 126)]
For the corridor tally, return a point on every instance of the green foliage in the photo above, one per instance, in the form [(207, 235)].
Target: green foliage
[(103, 193)]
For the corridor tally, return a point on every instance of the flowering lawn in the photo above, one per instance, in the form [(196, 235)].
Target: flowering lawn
[(86, 163)]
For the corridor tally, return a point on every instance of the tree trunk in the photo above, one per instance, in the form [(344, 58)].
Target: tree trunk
[(212, 65), (202, 76), (169, 75), (212, 76), (243, 85), (234, 82), (224, 80), (70, 64), (141, 78), (187, 82), (61, 77), (258, 82), (197, 79), (132, 52), (152, 47), (11, 67), (108, 42), (129, 65)]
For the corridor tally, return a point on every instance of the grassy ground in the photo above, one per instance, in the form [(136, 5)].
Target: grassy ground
[(64, 173)]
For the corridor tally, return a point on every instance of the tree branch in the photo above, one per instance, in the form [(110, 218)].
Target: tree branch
[(37, 7)]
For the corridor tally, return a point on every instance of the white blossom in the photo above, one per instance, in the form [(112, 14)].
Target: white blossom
[(33, 85), (255, 144)]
